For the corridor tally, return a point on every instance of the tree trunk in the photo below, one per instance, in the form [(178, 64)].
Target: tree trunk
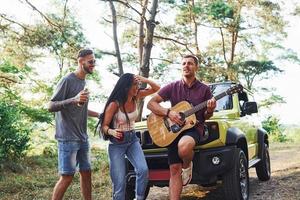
[(234, 38), (115, 36), (144, 68), (195, 26), (141, 31)]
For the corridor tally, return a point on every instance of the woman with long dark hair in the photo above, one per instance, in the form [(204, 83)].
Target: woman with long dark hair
[(119, 116)]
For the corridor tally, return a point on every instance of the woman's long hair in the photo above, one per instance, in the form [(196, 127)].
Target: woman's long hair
[(118, 95)]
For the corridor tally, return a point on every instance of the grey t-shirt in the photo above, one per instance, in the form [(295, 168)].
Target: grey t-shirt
[(71, 121)]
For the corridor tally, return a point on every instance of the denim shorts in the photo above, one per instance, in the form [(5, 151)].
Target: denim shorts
[(72, 154)]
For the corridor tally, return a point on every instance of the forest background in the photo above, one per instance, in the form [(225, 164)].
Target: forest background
[(253, 42)]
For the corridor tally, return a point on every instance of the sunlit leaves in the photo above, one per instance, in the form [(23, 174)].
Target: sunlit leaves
[(219, 10)]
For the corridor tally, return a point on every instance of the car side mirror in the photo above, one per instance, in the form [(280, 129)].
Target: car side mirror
[(249, 108)]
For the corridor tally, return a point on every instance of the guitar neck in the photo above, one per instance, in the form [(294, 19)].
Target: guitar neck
[(202, 105)]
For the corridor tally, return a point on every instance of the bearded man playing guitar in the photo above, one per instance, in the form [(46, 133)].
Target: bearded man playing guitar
[(181, 150)]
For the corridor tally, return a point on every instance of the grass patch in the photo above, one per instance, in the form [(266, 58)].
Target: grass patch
[(287, 135), (283, 146), (40, 175), (293, 134)]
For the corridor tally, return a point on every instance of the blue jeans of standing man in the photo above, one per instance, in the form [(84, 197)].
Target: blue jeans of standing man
[(131, 148), (72, 154)]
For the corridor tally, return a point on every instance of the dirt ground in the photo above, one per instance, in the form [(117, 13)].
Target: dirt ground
[(283, 185)]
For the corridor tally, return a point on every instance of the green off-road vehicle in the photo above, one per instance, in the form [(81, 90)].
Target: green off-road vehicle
[(234, 141)]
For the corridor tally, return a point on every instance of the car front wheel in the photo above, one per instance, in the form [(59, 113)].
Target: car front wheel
[(236, 181)]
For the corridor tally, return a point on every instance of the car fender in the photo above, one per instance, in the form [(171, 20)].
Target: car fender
[(262, 138), (235, 136)]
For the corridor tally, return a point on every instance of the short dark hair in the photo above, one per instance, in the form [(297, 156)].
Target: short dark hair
[(84, 52), (192, 56)]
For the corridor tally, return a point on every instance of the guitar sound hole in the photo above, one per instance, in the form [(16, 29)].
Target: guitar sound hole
[(175, 128)]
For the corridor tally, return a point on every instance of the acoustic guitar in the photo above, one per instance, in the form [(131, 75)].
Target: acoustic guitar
[(163, 131)]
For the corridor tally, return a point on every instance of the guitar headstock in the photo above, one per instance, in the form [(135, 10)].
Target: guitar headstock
[(234, 89)]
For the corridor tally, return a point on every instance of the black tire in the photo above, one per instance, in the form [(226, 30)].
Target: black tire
[(236, 181), (130, 192), (208, 184), (263, 168)]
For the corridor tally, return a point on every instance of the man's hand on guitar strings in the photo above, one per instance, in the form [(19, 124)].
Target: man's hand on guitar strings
[(176, 118)]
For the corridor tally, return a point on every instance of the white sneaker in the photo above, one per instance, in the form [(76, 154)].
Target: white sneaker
[(186, 175)]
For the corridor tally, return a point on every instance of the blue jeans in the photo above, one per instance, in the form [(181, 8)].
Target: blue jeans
[(117, 151), (72, 154)]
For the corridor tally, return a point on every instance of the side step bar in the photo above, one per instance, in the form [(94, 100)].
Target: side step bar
[(253, 162)]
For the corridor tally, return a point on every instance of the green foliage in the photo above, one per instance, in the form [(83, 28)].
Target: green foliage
[(219, 10), (273, 21), (64, 40), (297, 11), (18, 117), (39, 177), (10, 92), (50, 151), (14, 133), (273, 99), (12, 72), (212, 74), (293, 134), (290, 55), (60, 35), (159, 70), (101, 160), (250, 69), (184, 16), (37, 114), (273, 127)]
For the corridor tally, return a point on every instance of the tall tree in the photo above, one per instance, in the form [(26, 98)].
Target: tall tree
[(235, 34), (147, 48), (239, 32), (252, 68), (134, 13), (59, 34), (115, 37)]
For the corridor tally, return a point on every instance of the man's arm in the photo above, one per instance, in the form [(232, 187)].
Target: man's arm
[(93, 114), (55, 106), (155, 107)]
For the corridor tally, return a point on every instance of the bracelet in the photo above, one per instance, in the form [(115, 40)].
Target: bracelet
[(168, 111)]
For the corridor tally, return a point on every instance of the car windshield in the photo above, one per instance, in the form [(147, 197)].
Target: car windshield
[(224, 103)]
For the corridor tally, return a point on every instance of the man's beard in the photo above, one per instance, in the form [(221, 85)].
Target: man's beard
[(86, 69), (190, 75)]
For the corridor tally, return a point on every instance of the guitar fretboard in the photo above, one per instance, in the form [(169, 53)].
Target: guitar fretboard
[(202, 105)]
